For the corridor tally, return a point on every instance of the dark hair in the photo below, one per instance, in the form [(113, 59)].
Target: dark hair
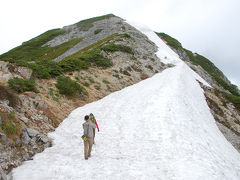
[(86, 117)]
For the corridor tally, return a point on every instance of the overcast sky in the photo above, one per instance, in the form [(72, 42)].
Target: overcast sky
[(208, 27)]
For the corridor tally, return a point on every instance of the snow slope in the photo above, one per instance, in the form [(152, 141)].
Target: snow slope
[(160, 128)]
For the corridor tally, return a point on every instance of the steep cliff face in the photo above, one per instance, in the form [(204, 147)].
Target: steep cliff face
[(131, 57), (223, 98)]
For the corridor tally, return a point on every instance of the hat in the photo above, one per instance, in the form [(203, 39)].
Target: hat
[(86, 117)]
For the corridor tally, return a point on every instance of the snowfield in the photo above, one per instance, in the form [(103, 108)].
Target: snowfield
[(160, 128)]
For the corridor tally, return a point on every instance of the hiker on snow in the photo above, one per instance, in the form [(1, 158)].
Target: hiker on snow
[(87, 137), (94, 121)]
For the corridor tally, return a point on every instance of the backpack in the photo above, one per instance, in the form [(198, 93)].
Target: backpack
[(92, 118)]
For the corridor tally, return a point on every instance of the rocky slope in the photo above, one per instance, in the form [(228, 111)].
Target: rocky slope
[(112, 55), (36, 114)]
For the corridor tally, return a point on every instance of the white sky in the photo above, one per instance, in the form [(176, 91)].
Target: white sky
[(209, 27)]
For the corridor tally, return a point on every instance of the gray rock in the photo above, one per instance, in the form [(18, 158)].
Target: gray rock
[(230, 136), (18, 142), (5, 74), (24, 72), (0, 121), (42, 105), (32, 132), (26, 138), (49, 144), (3, 137), (24, 119), (3, 176), (5, 101), (44, 139), (26, 157)]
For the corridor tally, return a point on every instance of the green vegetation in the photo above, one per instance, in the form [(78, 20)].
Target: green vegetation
[(97, 86), (97, 31), (10, 124), (39, 58), (209, 67), (149, 67), (105, 81), (55, 96), (10, 95), (86, 84), (170, 41), (231, 88), (91, 55), (69, 87), (11, 129), (124, 35), (91, 80), (205, 63), (92, 47), (32, 49), (123, 28), (96, 58), (45, 69), (73, 64), (56, 51), (85, 25), (117, 47), (234, 99), (22, 85)]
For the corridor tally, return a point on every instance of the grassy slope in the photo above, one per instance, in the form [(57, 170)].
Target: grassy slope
[(40, 58), (205, 63), (33, 50)]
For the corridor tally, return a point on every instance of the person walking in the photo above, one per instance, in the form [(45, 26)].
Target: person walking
[(88, 136)]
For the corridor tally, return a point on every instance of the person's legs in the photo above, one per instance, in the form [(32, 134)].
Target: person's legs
[(90, 141), (93, 135), (86, 148)]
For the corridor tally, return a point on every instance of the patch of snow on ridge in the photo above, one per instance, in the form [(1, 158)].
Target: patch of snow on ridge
[(165, 53)]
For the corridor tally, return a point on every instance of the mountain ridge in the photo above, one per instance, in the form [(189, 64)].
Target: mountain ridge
[(159, 128), (108, 63)]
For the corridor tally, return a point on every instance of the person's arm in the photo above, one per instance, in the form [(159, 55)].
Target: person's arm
[(96, 125), (85, 130)]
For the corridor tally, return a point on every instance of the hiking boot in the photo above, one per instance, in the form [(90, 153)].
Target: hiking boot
[(89, 155), (86, 158)]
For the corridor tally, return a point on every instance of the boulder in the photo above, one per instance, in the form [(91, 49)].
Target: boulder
[(32, 132), (26, 157), (44, 139), (18, 142), (24, 72), (26, 139), (3, 137), (24, 119)]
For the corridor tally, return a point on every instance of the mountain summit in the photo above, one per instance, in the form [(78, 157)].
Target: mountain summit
[(166, 126)]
